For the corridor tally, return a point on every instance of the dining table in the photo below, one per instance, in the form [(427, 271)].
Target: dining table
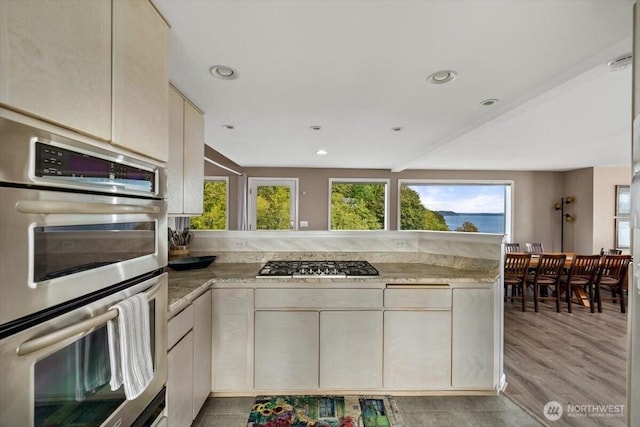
[(583, 298)]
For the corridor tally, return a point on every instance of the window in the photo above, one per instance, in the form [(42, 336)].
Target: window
[(483, 207), (215, 214), (623, 208), (358, 204), (273, 203)]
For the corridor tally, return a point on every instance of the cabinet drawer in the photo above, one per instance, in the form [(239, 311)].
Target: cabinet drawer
[(319, 298), (417, 298), (179, 326)]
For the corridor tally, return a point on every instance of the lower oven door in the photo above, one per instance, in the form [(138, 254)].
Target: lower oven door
[(57, 373), (57, 246)]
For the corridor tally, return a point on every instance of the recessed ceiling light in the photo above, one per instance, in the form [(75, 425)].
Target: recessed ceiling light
[(621, 62), (315, 127), (442, 76), (489, 102), (230, 127), (223, 72), (396, 129), (321, 152)]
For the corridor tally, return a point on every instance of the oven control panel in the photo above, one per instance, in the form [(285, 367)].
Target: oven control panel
[(83, 169)]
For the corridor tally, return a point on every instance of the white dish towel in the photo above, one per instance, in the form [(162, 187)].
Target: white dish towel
[(130, 346)]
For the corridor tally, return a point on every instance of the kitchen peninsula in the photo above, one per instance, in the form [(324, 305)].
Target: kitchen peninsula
[(429, 323)]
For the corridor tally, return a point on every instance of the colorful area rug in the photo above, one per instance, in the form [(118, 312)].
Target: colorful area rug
[(324, 411)]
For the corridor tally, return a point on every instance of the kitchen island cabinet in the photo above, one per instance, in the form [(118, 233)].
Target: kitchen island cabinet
[(437, 332), (473, 338), (287, 350), (351, 350), (417, 337)]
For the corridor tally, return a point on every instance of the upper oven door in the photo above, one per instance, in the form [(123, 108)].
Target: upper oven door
[(59, 246)]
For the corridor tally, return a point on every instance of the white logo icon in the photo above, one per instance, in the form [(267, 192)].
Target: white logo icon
[(553, 410)]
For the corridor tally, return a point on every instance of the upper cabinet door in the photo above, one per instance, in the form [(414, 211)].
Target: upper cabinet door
[(175, 166), (55, 62), (193, 160), (140, 79)]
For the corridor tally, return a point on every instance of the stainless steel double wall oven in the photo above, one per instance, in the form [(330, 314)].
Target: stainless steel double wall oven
[(83, 227)]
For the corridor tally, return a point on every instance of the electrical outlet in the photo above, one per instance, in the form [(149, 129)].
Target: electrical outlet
[(304, 224), (239, 244), (399, 243)]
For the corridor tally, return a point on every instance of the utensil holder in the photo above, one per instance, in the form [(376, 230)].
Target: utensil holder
[(179, 250)]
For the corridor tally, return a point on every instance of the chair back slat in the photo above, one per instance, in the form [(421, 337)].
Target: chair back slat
[(517, 265), (511, 247), (615, 266), (550, 265), (534, 248), (584, 266)]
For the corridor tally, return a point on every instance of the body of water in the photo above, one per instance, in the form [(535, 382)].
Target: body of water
[(486, 223)]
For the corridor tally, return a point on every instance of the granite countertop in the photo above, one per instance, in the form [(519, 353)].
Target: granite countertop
[(185, 286)]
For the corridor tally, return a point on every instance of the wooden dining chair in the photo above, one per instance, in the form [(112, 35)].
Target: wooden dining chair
[(613, 275), (516, 268), (510, 248), (547, 275), (581, 275), (534, 248), (604, 251)]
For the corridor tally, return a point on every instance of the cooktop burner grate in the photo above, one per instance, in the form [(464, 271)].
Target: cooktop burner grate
[(335, 269)]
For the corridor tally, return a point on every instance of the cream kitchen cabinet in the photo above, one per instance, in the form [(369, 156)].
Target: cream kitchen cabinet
[(286, 350), (97, 67), (202, 353), (55, 62), (351, 350), (310, 339), (473, 339), (140, 79), (417, 338), (189, 361), (233, 335), (185, 169)]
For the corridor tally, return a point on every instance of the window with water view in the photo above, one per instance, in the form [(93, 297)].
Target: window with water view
[(454, 207)]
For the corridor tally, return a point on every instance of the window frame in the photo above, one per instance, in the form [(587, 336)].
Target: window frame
[(387, 186), (622, 219), (508, 199), (254, 182)]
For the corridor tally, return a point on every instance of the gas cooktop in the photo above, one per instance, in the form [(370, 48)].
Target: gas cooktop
[(333, 269)]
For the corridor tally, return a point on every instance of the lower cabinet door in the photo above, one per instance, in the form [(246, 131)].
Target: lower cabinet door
[(473, 339), (417, 350), (201, 351), (286, 350), (180, 383), (351, 349)]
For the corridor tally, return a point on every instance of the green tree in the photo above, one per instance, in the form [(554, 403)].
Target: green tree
[(273, 208), (468, 227), (414, 216), (357, 206), (214, 215)]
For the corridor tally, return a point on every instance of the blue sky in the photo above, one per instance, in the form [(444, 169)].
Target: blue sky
[(462, 198)]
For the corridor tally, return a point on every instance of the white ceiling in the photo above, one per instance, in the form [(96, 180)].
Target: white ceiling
[(359, 67)]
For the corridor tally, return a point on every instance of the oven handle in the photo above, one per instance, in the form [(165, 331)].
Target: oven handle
[(55, 337), (53, 207)]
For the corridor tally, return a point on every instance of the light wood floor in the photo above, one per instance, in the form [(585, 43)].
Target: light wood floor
[(573, 359)]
